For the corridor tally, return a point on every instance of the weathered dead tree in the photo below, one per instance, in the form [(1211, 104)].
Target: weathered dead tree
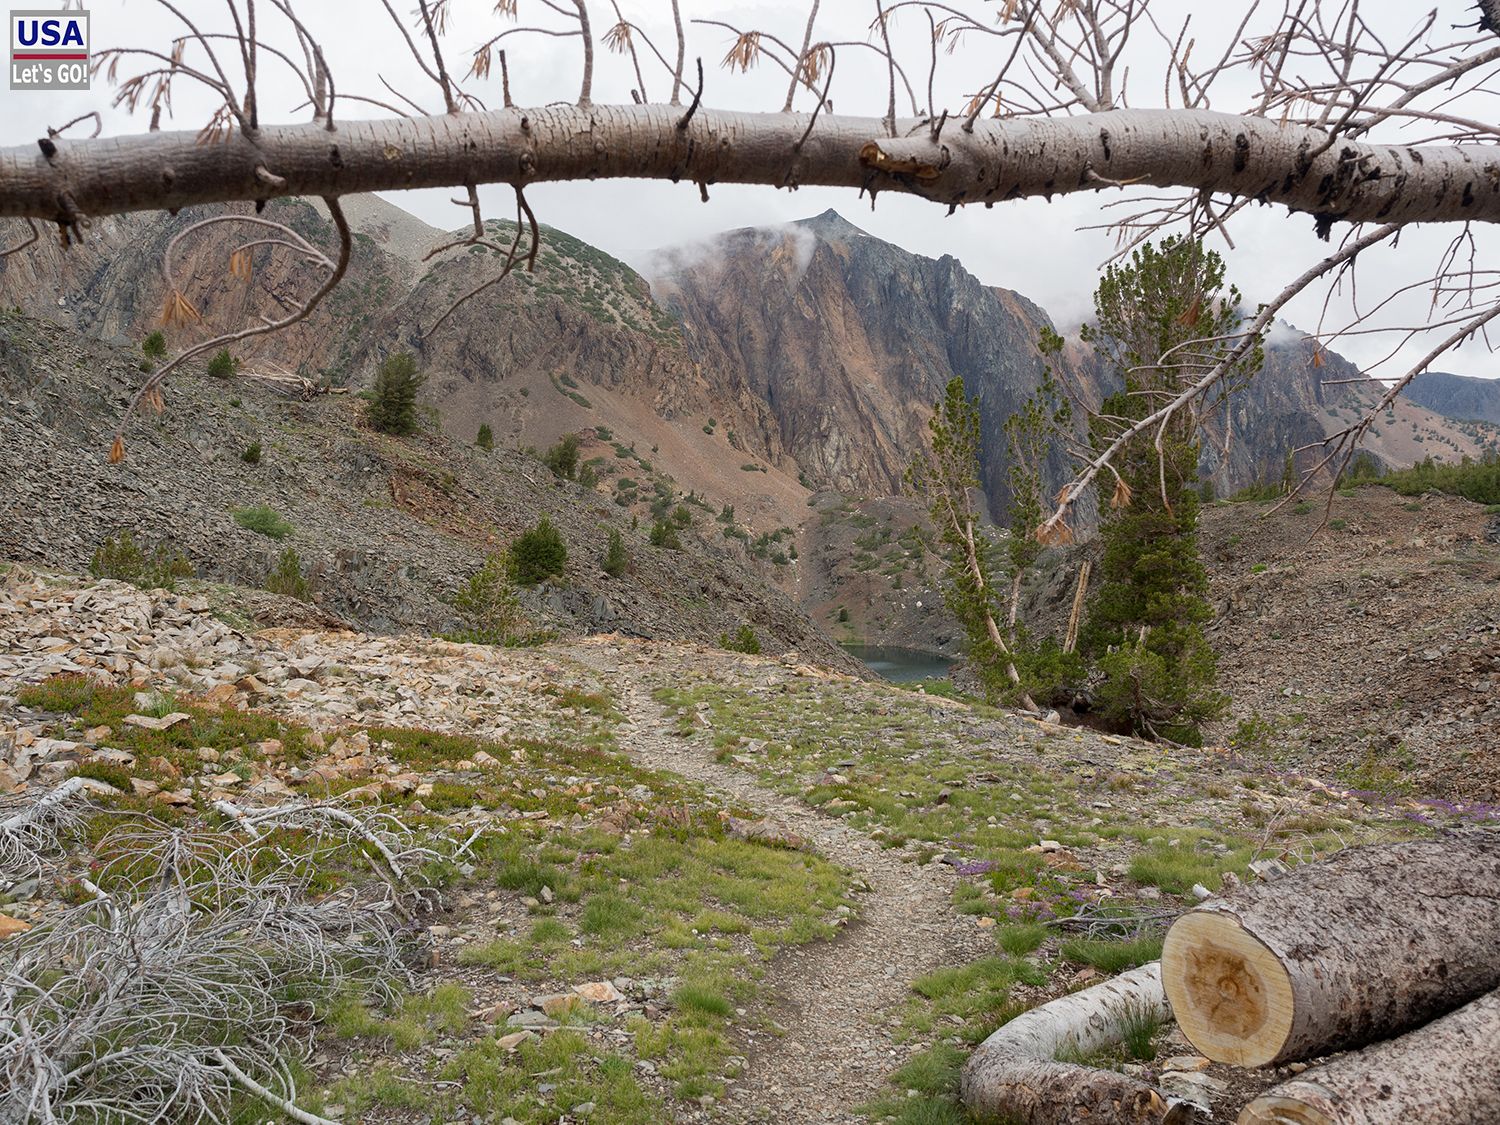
[(195, 970), (1015, 1076), (1370, 943), (1448, 1071)]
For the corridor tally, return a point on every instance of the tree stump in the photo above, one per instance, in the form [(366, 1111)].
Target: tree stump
[(1448, 1071), (1372, 942)]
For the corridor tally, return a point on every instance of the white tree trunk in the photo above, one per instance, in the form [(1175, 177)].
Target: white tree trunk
[(1448, 1072), (1014, 1075), (996, 161), (1366, 945)]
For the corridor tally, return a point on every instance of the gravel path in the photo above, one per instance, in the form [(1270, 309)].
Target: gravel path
[(836, 999)]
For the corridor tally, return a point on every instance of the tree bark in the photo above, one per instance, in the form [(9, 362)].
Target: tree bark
[(1338, 954), (1014, 1076), (997, 160), (1448, 1071)]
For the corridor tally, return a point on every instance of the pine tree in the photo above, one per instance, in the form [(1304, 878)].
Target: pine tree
[(489, 602), (486, 438), (616, 557), (1031, 434), (946, 478), (562, 458), (1162, 319), (538, 554), (392, 406), (222, 365)]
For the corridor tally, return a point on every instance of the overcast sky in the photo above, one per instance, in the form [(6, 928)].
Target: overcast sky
[(1030, 245)]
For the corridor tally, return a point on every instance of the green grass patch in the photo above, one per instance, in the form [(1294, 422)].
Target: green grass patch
[(1112, 956)]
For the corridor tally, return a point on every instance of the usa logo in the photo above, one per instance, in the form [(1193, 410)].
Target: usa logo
[(49, 50)]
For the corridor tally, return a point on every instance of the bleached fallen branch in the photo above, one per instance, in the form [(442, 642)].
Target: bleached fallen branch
[(33, 828), (270, 1097), (384, 834), (1014, 1075)]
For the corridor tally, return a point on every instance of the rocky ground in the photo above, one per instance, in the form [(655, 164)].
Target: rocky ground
[(1368, 650), (867, 575), (702, 887)]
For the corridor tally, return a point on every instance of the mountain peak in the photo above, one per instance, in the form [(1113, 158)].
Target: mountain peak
[(831, 225)]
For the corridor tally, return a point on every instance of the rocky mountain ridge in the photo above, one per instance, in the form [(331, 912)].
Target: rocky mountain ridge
[(770, 365), (386, 529), (1463, 398)]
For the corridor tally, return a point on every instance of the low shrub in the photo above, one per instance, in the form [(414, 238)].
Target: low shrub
[(287, 578), (663, 534), (744, 640), (562, 458), (263, 520), (123, 560), (488, 600), (616, 558), (222, 365)]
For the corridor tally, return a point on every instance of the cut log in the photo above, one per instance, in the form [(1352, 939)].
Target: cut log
[(1371, 943), (1014, 1075), (1448, 1071)]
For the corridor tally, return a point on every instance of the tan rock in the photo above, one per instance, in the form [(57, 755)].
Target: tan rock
[(144, 788), (400, 785), (599, 992), (560, 1004), (1186, 1062), (166, 722), (514, 1039), (220, 694), (269, 789), (164, 767), (9, 926), (226, 780), (765, 831), (109, 757), (495, 1012)]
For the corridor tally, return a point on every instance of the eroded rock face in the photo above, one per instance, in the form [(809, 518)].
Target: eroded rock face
[(1460, 397), (849, 340)]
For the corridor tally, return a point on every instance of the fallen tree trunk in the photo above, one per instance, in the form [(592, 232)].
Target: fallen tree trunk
[(1014, 1076), (1373, 942), (1448, 1071)]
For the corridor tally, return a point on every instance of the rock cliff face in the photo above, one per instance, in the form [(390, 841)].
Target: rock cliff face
[(848, 341), (1460, 397)]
